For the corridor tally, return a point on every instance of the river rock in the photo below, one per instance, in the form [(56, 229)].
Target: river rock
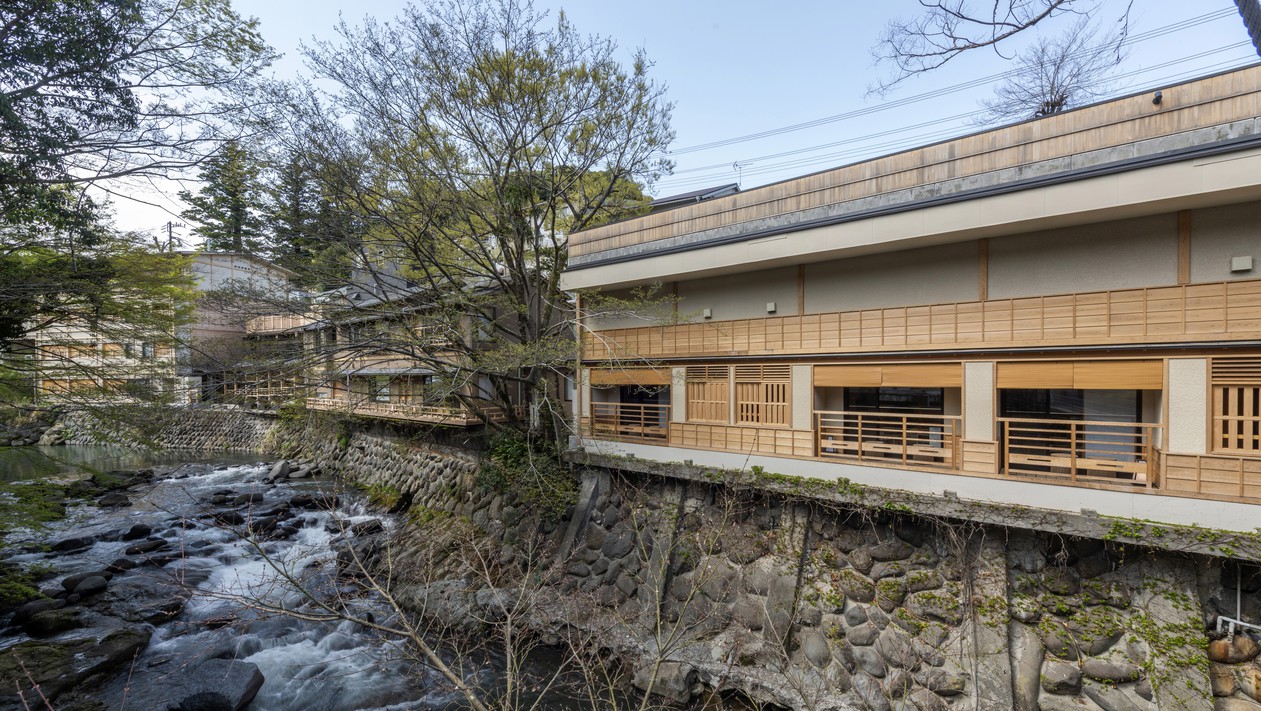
[(67, 545), (51, 622), (25, 612), (280, 470), (300, 474), (674, 681), (146, 546), (121, 565), (1110, 670), (113, 500), (892, 549), (247, 499), (73, 581), (64, 664), (367, 528), (213, 685), (137, 532), (230, 518), (91, 586)]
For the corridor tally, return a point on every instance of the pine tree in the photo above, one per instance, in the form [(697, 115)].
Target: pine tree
[(227, 209)]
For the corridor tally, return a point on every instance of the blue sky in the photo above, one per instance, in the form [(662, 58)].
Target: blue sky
[(737, 68)]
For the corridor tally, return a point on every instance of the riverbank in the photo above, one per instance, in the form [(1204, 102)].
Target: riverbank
[(717, 585), (153, 593)]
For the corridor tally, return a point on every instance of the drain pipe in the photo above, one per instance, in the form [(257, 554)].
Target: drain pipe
[(1233, 622)]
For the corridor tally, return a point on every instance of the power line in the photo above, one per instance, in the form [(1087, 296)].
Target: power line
[(751, 169), (936, 93)]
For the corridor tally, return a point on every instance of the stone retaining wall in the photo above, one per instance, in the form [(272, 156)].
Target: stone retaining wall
[(809, 604)]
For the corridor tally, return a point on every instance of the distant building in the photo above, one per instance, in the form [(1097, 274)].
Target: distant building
[(122, 358)]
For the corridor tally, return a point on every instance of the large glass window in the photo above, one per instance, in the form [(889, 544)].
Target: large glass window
[(917, 401), (1070, 404)]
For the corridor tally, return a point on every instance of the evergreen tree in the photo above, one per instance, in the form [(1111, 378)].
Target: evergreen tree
[(227, 209)]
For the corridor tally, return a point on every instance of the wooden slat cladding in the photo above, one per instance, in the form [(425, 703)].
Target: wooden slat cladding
[(1236, 371), (1220, 311), (702, 373), (708, 393), (1197, 104), (925, 375), (747, 440), (763, 373), (1228, 478), (1082, 375), (630, 376), (1236, 384)]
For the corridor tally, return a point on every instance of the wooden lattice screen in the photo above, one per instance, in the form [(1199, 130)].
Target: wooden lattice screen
[(762, 394), (708, 393), (1236, 404)]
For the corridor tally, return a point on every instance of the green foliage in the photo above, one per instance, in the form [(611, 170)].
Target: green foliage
[(531, 469), (18, 583), (96, 89), (226, 210), (383, 495), (30, 504)]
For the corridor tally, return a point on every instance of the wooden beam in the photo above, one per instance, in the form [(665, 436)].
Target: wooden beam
[(1184, 247), (674, 301), (801, 289), (983, 268)]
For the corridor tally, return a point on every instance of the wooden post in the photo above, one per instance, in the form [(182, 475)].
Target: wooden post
[(983, 268), (1184, 247)]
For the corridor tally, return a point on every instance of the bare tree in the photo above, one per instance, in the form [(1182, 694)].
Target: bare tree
[(948, 28), (1056, 73)]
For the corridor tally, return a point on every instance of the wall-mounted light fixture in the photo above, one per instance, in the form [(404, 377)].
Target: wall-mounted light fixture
[(770, 307), (707, 313), (1157, 98)]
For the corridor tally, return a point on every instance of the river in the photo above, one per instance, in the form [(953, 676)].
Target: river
[(305, 665)]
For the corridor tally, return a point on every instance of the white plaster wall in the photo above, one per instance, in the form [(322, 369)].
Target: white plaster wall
[(802, 398), (1124, 254), (678, 394), (911, 277), (1165, 509), (978, 401), (646, 307), (740, 295), (1219, 233), (1188, 405)]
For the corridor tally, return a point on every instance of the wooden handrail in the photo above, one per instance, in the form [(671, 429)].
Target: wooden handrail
[(922, 440), (1214, 311), (629, 421), (1081, 450)]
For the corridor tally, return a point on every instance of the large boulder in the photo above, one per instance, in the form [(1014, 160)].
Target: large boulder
[(58, 666), (213, 685)]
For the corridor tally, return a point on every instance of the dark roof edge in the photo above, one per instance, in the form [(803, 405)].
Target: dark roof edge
[(1121, 166)]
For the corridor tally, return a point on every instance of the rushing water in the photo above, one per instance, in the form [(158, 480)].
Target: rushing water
[(20, 463), (306, 665)]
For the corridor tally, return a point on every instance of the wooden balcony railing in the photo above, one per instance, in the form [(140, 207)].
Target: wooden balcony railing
[(629, 422), (1219, 311), (1082, 451), (276, 324), (411, 412), (920, 440)]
